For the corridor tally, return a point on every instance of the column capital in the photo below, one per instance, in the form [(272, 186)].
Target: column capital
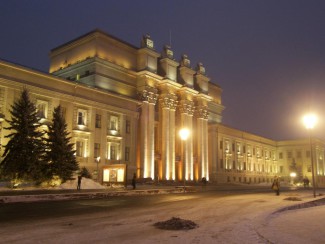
[(186, 107), (168, 101), (149, 94), (202, 112)]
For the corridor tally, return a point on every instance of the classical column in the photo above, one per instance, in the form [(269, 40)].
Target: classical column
[(214, 152), (147, 154), (186, 109), (168, 103), (202, 140)]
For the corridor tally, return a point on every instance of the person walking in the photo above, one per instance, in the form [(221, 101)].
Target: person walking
[(306, 182), (134, 181), (204, 182), (79, 182), (276, 185)]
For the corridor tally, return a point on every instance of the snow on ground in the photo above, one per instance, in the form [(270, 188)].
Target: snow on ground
[(249, 218), (85, 184)]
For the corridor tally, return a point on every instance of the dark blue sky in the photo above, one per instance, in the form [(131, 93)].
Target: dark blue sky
[(268, 56)]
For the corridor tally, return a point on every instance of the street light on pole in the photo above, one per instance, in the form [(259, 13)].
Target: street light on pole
[(184, 134), (310, 120)]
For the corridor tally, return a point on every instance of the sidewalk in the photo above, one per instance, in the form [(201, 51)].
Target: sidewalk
[(301, 223), (15, 196)]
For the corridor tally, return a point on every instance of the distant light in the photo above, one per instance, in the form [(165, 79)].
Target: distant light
[(293, 174), (184, 134), (310, 120)]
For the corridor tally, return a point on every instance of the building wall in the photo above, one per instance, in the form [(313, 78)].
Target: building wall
[(172, 96), (76, 98), (237, 156), (125, 105), (298, 156)]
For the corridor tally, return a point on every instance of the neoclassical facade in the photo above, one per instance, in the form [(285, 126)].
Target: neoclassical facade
[(125, 105)]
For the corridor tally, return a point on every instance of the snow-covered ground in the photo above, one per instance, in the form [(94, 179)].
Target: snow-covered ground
[(252, 218), (85, 184)]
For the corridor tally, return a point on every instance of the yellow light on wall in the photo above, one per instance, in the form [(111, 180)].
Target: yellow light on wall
[(184, 134), (293, 174)]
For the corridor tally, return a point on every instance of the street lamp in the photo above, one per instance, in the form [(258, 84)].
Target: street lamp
[(97, 160), (184, 134), (310, 120)]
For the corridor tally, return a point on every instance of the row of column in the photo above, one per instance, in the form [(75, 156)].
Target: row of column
[(169, 125)]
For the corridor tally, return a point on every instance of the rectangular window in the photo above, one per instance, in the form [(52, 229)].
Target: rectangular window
[(127, 154), (308, 154), (98, 123), (79, 148), (281, 169), (81, 119), (221, 144), (97, 150), (113, 152), (127, 126), (113, 123), (289, 154), (42, 109), (299, 154), (309, 168), (63, 112), (280, 155), (238, 148)]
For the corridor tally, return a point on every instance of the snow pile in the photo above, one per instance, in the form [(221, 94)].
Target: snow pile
[(85, 184), (176, 224)]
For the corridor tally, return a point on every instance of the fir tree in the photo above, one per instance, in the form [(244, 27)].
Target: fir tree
[(24, 153), (60, 151), (84, 172)]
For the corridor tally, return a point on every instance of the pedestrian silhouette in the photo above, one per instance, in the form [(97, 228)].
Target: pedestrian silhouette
[(276, 185), (134, 181), (204, 182), (306, 182), (79, 182)]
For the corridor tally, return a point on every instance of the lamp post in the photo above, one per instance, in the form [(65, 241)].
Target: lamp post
[(184, 134), (310, 121), (97, 160)]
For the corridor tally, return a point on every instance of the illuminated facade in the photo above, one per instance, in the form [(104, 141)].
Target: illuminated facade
[(125, 105), (238, 156)]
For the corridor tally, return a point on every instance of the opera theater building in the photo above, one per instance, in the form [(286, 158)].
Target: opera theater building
[(141, 110)]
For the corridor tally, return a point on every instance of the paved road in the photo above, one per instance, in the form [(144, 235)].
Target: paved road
[(50, 209), (228, 216)]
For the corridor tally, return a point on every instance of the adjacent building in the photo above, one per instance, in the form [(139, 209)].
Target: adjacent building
[(125, 105)]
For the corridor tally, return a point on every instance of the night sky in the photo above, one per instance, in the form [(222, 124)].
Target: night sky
[(268, 56)]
